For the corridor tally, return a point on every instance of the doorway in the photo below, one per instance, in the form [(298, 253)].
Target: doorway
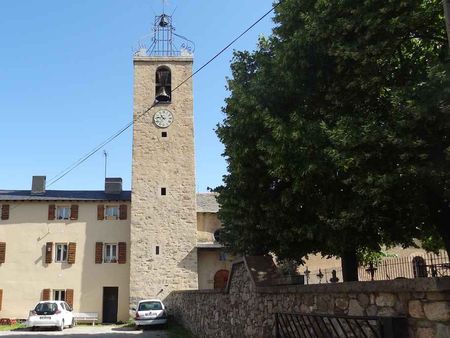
[(221, 279), (110, 304)]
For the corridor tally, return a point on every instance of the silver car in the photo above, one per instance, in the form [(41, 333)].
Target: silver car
[(150, 312), (51, 314)]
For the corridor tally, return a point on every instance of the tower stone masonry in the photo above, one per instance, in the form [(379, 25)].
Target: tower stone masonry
[(163, 254)]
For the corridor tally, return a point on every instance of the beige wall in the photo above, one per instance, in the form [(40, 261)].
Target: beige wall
[(24, 274), (165, 221), (208, 264), (209, 260), (207, 223)]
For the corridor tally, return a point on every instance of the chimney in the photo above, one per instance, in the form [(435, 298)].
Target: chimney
[(113, 185), (38, 185)]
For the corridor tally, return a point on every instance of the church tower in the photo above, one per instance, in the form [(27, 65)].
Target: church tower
[(163, 254)]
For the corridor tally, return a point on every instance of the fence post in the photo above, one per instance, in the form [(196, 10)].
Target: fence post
[(394, 327)]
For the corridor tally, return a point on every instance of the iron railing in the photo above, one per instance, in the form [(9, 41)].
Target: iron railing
[(295, 325), (424, 265)]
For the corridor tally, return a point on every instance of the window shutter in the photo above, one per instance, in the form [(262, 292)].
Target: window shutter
[(98, 253), (46, 294), (74, 212), (1, 299), (51, 212), (48, 252), (5, 211), (69, 297), (72, 250), (123, 211), (122, 252), (100, 212), (2, 252)]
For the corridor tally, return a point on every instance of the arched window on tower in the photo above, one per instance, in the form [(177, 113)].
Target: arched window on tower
[(163, 87)]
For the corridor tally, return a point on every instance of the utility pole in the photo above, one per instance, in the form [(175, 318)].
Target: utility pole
[(105, 154)]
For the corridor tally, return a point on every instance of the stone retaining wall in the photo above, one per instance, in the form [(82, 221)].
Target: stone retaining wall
[(246, 308)]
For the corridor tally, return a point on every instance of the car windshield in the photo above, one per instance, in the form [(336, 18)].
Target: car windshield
[(146, 306), (46, 308)]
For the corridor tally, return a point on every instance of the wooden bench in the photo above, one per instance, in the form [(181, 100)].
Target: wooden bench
[(85, 317), (7, 321)]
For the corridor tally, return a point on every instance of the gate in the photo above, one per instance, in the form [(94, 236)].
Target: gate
[(296, 325)]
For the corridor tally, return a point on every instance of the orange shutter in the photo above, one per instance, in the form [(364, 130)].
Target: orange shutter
[(51, 212), (74, 212), (72, 250), (69, 297), (100, 212), (48, 252), (5, 211), (123, 211), (122, 252), (98, 253), (1, 298), (46, 294), (2, 252)]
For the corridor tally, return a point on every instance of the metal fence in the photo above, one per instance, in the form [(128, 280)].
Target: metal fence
[(426, 265), (295, 325)]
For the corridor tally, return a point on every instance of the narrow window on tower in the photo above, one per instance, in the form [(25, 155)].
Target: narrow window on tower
[(163, 191), (163, 87), (164, 134), (157, 250)]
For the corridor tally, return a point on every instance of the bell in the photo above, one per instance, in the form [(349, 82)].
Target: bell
[(161, 95)]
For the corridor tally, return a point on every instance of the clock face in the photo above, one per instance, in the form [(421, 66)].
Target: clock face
[(163, 118)]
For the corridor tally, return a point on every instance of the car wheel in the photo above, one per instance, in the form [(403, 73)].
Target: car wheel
[(60, 328)]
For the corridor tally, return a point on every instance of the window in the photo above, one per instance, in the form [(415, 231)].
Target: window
[(112, 212), (59, 295), (217, 235), (61, 252), (163, 88), (163, 191), (157, 250), (222, 256), (110, 253), (63, 213)]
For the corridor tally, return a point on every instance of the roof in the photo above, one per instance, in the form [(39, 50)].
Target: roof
[(206, 202), (64, 195)]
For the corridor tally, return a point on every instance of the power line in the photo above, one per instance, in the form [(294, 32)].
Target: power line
[(85, 157)]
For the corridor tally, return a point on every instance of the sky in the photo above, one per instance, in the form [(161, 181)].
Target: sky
[(66, 83)]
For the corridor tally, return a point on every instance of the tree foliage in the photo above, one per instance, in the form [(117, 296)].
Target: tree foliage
[(336, 131)]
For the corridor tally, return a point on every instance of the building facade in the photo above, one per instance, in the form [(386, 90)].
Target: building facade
[(76, 246)]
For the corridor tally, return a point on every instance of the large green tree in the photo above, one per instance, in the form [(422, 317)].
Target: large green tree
[(336, 132)]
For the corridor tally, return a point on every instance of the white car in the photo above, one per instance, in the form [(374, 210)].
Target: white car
[(51, 313), (150, 312)]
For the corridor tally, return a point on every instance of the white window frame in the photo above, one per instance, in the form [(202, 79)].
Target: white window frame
[(59, 256), (112, 215), (58, 293), (65, 209), (108, 254)]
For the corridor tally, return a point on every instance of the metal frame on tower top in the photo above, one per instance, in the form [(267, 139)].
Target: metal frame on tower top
[(162, 42)]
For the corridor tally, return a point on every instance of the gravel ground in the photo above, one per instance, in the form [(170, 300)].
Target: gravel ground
[(91, 331)]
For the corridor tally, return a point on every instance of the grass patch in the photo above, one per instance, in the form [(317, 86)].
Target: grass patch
[(12, 327)]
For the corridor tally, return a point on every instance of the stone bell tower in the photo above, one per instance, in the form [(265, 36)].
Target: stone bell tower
[(163, 254)]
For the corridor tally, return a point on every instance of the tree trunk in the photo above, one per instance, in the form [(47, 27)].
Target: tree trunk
[(349, 262), (446, 4)]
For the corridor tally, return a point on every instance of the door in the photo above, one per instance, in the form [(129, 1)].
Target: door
[(110, 304), (221, 279)]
